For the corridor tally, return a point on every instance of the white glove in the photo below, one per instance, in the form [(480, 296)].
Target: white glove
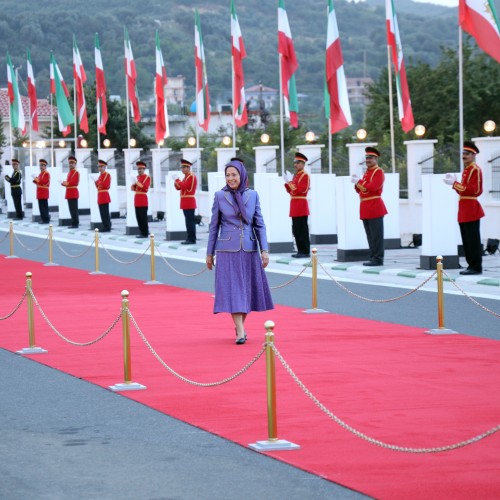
[(133, 178), (354, 178), (95, 177), (34, 176), (175, 176), (450, 179), (288, 176)]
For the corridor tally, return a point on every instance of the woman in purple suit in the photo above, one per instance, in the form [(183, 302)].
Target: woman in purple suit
[(237, 237)]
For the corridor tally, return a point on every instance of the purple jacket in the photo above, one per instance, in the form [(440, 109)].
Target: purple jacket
[(228, 233)]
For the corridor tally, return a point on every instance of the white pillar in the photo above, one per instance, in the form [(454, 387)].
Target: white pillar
[(439, 223), (390, 195), (489, 148), (82, 156), (29, 191), (322, 205), (313, 154), (130, 157), (107, 155), (265, 159), (224, 155), (61, 156), (175, 224), (357, 157), (275, 206), (352, 243), (160, 161)]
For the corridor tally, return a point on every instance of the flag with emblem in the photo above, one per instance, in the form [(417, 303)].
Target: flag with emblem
[(131, 76), (16, 107), (288, 66), (396, 50), (161, 103), (60, 90), (238, 52), (100, 89), (32, 94), (337, 106), (202, 96), (80, 78)]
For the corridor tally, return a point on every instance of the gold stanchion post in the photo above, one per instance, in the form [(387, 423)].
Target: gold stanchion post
[(96, 246), (440, 293), (314, 270), (152, 253), (272, 443), (11, 242), (128, 385), (50, 263), (32, 349)]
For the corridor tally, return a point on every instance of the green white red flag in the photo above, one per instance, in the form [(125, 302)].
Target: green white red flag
[(479, 19), (100, 90), (337, 107), (238, 52), (396, 49), (161, 103), (80, 78), (32, 94), (131, 76), (288, 66), (16, 107), (202, 95), (58, 88)]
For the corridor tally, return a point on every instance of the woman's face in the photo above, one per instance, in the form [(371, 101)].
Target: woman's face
[(233, 177)]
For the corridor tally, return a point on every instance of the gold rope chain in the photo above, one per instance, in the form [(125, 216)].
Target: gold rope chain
[(17, 307), (178, 272), (101, 244), (31, 249), (73, 256)]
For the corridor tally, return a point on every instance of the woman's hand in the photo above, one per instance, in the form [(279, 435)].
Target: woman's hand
[(210, 262), (265, 259)]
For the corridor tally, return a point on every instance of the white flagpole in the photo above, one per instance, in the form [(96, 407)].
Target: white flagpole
[(128, 108), (460, 95), (74, 109), (234, 111), (391, 109), (329, 145), (31, 126), (282, 129), (10, 135), (51, 132)]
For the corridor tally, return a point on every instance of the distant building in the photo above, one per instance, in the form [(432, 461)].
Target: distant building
[(261, 96), (357, 90), (175, 91)]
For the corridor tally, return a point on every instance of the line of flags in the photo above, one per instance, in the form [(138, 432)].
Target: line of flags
[(476, 17)]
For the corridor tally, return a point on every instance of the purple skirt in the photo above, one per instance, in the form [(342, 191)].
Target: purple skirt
[(240, 283)]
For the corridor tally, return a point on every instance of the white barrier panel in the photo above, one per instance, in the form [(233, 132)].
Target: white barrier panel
[(56, 191), (175, 223), (322, 205), (390, 195), (29, 188), (265, 159), (352, 243), (439, 223), (216, 181), (275, 206)]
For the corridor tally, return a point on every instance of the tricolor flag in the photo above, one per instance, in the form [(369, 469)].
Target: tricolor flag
[(161, 103), (131, 76), (59, 89), (288, 66), (100, 90), (394, 42), (238, 52), (32, 95), (16, 106), (337, 102), (202, 97), (479, 19), (80, 78)]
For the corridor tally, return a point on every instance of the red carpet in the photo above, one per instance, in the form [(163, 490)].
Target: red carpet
[(391, 382)]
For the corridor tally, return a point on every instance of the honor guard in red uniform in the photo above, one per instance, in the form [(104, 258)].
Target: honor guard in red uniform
[(470, 210), (103, 183), (298, 187), (72, 194), (187, 187), (16, 190), (141, 188), (372, 208), (42, 181)]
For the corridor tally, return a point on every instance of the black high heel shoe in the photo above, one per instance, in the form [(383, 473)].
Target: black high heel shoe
[(241, 340)]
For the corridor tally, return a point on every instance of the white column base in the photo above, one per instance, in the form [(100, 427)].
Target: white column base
[(279, 444)]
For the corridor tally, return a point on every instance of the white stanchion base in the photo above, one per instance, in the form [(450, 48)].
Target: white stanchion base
[(440, 331), (278, 445), (97, 272), (154, 282), (50, 264), (314, 311), (133, 386), (32, 350), (12, 257)]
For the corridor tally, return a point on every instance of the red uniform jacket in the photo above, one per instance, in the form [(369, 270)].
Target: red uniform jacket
[(369, 188), (42, 185), (187, 187), (72, 182), (141, 187), (102, 184), (469, 188), (298, 188)]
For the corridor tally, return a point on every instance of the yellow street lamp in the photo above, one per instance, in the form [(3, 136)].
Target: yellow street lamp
[(310, 136), (133, 143), (62, 143), (419, 131), (361, 134), (226, 140), (489, 126), (192, 141), (106, 143), (264, 138)]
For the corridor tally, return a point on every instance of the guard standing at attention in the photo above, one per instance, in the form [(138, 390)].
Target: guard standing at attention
[(141, 188), (72, 194), (298, 187), (15, 189), (103, 183), (42, 181), (187, 187)]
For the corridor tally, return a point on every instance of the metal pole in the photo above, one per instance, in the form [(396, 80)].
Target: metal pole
[(282, 128), (50, 243), (314, 280), (272, 426), (127, 366), (439, 268), (11, 239), (152, 251), (391, 110), (31, 319)]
